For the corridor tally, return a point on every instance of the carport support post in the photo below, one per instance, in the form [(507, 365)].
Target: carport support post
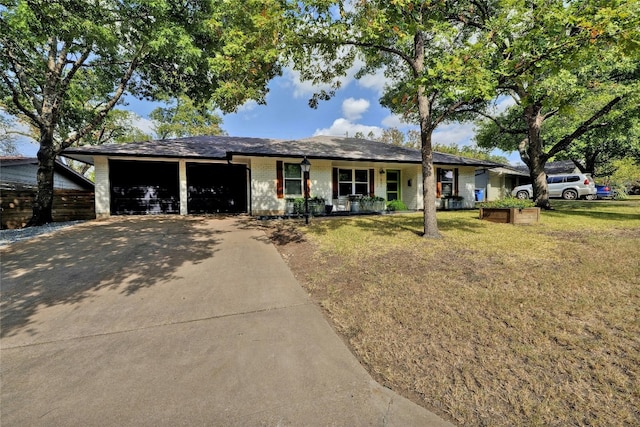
[(306, 167), (182, 174)]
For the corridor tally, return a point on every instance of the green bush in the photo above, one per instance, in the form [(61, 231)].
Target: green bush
[(316, 205), (508, 202), (396, 205)]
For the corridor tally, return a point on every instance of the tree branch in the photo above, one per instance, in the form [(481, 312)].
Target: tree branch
[(124, 81), (498, 124), (75, 67), (564, 143)]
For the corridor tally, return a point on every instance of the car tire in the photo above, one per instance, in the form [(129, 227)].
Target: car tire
[(570, 195), (522, 195), (590, 197)]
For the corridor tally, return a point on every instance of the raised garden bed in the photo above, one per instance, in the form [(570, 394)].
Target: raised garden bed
[(511, 215)]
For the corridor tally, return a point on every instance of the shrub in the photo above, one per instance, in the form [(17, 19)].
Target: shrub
[(396, 205), (508, 202)]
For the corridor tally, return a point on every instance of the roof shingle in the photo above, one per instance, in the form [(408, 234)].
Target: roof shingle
[(317, 147)]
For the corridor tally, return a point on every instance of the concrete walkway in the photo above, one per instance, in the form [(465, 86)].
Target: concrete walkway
[(174, 321)]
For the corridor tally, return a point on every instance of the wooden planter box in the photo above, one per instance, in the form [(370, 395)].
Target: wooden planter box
[(510, 215)]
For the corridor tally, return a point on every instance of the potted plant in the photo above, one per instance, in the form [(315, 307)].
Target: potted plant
[(510, 210), (372, 204), (452, 202), (354, 204), (316, 205), (289, 206)]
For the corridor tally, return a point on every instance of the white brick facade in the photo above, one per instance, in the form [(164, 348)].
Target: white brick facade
[(103, 187), (262, 182)]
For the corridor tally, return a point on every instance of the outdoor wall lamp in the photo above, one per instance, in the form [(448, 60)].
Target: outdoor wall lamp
[(305, 165)]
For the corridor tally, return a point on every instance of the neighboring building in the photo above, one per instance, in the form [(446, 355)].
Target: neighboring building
[(211, 174), (16, 171), (497, 183), (559, 167), (72, 192)]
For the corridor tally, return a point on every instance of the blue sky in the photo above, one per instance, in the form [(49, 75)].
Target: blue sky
[(287, 115)]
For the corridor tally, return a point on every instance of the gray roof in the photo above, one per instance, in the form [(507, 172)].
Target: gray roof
[(226, 147), (554, 168)]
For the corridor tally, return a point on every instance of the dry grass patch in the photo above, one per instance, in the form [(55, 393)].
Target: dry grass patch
[(494, 324)]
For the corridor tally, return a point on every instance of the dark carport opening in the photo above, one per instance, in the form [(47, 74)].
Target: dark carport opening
[(216, 188), (144, 187)]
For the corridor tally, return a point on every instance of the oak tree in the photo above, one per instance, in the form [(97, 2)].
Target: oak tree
[(67, 64), (573, 62), (185, 118), (417, 43)]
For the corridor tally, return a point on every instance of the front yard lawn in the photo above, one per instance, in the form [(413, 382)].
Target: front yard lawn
[(494, 324)]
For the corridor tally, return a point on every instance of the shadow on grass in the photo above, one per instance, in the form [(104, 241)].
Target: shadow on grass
[(605, 210), (389, 225), (124, 254)]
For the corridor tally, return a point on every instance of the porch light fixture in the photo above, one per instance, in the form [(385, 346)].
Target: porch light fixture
[(381, 171), (305, 165)]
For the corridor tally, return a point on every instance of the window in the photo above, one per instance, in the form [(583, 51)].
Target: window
[(292, 179), (393, 185), (445, 179), (353, 181)]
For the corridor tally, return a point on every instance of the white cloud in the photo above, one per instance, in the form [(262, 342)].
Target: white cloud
[(395, 121), (375, 82), (144, 124), (454, 133), (343, 127), (250, 105), (301, 88), (353, 108), (503, 103)]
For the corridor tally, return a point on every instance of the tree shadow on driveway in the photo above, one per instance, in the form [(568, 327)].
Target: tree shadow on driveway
[(123, 254)]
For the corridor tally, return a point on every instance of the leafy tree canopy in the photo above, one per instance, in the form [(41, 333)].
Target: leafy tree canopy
[(7, 140), (574, 63), (67, 64), (418, 44), (185, 119)]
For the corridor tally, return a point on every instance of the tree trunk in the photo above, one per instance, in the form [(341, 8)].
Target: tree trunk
[(428, 186), (43, 203), (536, 156), (426, 130)]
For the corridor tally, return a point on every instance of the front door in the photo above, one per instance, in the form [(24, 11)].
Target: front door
[(393, 185)]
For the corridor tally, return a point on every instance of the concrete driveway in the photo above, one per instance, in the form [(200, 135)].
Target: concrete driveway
[(174, 321)]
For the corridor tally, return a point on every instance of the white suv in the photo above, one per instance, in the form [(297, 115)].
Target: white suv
[(568, 186)]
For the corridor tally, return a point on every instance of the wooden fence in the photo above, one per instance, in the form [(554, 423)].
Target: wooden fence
[(16, 206)]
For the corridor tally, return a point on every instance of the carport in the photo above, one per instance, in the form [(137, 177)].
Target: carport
[(153, 187), (216, 187), (144, 187)]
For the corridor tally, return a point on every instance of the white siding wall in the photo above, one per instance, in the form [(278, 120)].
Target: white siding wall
[(467, 186), (103, 195), (24, 174), (28, 175), (412, 196), (495, 187), (264, 198)]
